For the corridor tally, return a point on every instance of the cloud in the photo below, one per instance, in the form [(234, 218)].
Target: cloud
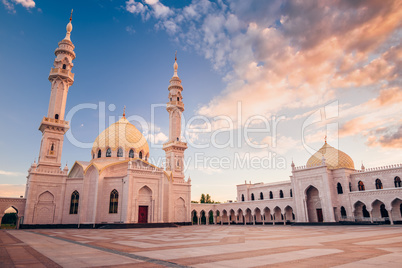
[(12, 190), (130, 29), (157, 138), (280, 57), (391, 139), (148, 8), (11, 173), (9, 4)]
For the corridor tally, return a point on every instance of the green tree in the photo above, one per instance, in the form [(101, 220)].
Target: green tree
[(206, 199), (202, 199)]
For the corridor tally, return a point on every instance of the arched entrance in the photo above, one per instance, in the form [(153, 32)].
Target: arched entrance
[(210, 217), (289, 216), (10, 218), (44, 211), (379, 213), (203, 217), (361, 213), (397, 210), (195, 217), (145, 205), (314, 209), (232, 216), (257, 216), (278, 216), (180, 210), (240, 216)]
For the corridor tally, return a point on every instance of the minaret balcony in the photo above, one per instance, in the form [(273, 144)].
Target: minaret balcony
[(61, 72), (54, 123), (175, 144), (178, 104)]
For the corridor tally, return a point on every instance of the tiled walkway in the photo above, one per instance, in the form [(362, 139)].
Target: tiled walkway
[(205, 246)]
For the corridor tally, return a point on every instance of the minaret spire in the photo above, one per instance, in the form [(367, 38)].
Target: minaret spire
[(174, 147), (69, 27), (175, 65), (53, 126)]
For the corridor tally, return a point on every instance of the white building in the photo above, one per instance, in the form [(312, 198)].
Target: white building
[(327, 189), (119, 185)]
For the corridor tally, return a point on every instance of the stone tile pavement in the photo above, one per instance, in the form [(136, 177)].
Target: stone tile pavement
[(205, 246)]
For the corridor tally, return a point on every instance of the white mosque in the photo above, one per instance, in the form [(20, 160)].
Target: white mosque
[(119, 185)]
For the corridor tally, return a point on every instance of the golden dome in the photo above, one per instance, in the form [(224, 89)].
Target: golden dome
[(121, 134), (333, 158)]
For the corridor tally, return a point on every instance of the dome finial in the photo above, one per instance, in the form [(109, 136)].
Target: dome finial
[(175, 65), (325, 138), (124, 111), (71, 16)]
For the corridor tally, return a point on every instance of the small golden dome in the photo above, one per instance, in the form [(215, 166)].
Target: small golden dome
[(333, 158), (121, 134)]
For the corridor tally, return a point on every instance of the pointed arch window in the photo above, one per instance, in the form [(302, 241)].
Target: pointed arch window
[(378, 184), (397, 182), (281, 194), (242, 197), (361, 186), (291, 193), (350, 186), (114, 201), (140, 155), (131, 153), (271, 196), (64, 66), (56, 116), (252, 197), (339, 188), (99, 153), (261, 196), (75, 197), (120, 152), (108, 152)]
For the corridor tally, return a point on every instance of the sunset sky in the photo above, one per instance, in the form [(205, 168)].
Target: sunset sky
[(317, 68)]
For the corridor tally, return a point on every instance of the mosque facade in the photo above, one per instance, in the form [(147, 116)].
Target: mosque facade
[(119, 185)]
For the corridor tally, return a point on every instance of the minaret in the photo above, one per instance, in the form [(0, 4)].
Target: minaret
[(174, 147), (53, 126)]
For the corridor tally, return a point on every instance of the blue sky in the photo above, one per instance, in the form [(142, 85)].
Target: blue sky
[(274, 58)]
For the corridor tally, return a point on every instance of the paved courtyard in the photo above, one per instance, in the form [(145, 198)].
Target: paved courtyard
[(205, 246)]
